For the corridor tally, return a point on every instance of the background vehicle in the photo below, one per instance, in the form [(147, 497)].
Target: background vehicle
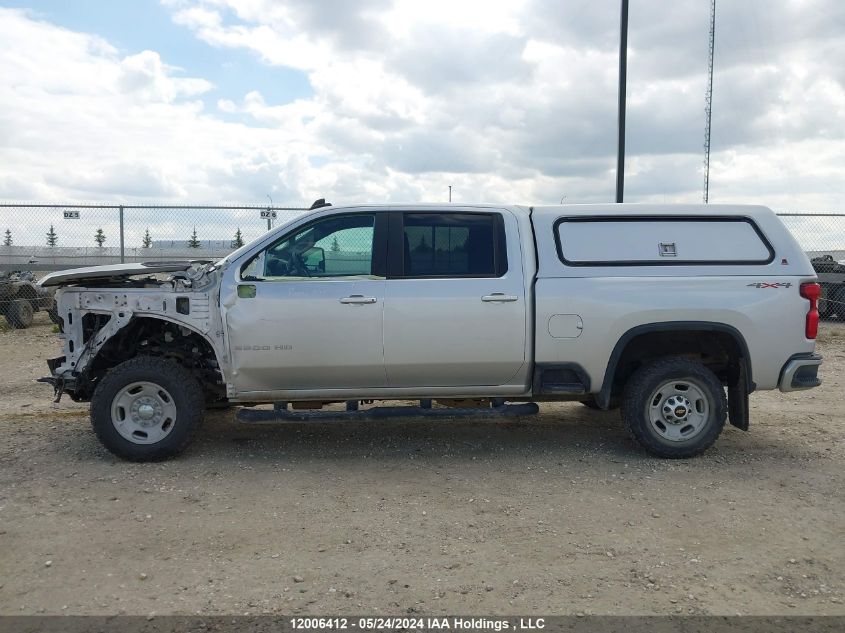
[(831, 275), (21, 298), (674, 313)]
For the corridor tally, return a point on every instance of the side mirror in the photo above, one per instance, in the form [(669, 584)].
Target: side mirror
[(315, 259)]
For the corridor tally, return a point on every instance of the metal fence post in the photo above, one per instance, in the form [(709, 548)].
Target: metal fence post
[(122, 249)]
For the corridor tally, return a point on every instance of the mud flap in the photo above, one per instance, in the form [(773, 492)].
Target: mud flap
[(738, 414)]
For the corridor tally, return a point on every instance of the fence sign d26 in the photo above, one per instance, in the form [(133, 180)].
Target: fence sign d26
[(268, 215), (71, 215)]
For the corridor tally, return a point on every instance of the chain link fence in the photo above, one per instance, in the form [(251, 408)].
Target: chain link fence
[(46, 237), (43, 237), (822, 236)]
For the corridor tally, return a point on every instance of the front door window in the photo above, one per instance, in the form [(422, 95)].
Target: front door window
[(334, 247)]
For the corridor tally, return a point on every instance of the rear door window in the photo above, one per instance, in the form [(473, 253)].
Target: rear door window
[(452, 245)]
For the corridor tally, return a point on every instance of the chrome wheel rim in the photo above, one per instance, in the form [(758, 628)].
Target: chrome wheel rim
[(143, 412), (678, 410)]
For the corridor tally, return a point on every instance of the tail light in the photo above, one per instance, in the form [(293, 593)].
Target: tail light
[(812, 292)]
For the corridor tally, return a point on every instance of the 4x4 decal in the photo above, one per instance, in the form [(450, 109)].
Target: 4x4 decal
[(766, 284)]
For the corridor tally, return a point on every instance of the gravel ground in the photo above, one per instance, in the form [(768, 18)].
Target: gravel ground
[(557, 513)]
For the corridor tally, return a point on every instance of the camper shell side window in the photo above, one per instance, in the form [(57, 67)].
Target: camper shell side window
[(661, 241)]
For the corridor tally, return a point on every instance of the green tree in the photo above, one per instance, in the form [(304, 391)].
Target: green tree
[(147, 242), (8, 240), (52, 238), (239, 239), (335, 247), (194, 242), (99, 237)]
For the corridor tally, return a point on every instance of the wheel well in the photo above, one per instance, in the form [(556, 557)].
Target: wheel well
[(145, 336), (720, 348)]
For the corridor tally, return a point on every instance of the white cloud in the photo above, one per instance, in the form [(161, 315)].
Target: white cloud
[(506, 101), (146, 75)]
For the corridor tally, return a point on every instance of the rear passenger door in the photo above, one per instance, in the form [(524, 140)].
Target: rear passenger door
[(454, 310)]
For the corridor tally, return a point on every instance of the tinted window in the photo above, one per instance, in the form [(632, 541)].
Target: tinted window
[(333, 247), (449, 245)]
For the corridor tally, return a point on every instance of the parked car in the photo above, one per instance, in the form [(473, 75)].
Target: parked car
[(675, 314), (21, 297)]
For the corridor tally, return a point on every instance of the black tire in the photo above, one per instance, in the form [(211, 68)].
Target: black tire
[(176, 381), (19, 313), (826, 306), (640, 395), (53, 313), (837, 295)]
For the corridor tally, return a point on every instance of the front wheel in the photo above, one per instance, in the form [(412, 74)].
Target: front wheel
[(674, 407), (147, 409)]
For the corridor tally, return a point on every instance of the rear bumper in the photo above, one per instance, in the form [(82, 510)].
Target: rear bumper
[(800, 372)]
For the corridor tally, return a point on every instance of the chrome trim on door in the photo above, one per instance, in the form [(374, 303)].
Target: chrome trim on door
[(358, 300), (499, 297)]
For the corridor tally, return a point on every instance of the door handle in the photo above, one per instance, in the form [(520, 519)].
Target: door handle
[(358, 299), (499, 297)]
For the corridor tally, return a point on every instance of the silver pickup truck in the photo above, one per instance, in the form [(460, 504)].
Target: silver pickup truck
[(674, 313)]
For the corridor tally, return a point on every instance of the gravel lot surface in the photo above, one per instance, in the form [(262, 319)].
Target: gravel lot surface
[(555, 513)]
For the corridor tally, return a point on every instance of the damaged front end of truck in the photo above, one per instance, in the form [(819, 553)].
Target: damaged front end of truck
[(110, 314)]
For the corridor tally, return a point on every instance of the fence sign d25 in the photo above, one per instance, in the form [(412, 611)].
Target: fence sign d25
[(268, 215), (71, 215)]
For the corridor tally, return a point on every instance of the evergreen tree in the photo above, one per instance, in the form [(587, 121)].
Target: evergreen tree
[(335, 247), (239, 239), (147, 242), (8, 240), (194, 242), (100, 237), (52, 238), (423, 246)]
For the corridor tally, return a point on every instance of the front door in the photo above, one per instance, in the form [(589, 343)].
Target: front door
[(455, 304), (308, 314)]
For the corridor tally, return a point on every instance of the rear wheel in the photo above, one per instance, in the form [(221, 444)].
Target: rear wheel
[(147, 409), (674, 407), (19, 313)]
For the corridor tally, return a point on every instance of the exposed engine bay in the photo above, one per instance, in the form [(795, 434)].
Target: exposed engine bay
[(135, 309)]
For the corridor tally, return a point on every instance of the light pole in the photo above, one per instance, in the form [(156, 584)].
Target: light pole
[(623, 75)]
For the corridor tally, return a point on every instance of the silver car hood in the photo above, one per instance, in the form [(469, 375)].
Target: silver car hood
[(116, 271)]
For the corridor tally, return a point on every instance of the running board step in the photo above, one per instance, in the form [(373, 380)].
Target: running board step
[(568, 387), (278, 414)]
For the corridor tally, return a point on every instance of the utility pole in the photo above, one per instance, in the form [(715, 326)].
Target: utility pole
[(450, 193), (708, 102), (623, 77)]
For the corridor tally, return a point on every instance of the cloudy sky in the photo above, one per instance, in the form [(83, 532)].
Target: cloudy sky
[(388, 100)]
